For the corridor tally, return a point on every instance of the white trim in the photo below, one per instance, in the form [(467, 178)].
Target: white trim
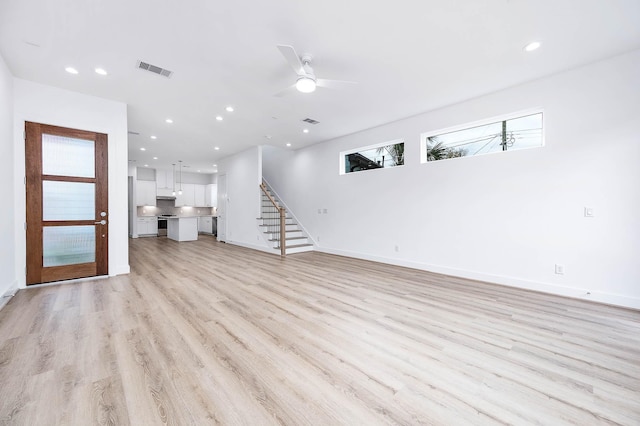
[(120, 270), (11, 291), (571, 292)]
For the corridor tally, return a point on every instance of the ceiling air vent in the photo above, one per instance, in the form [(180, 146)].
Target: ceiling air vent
[(154, 69), (310, 121), (131, 132)]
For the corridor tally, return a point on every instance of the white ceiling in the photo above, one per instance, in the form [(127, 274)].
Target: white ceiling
[(408, 56)]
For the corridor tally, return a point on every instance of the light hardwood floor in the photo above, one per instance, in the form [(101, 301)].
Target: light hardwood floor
[(205, 333)]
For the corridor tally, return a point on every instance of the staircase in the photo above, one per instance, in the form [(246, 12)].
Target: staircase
[(269, 222)]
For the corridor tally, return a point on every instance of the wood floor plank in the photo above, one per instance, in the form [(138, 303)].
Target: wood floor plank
[(206, 333)]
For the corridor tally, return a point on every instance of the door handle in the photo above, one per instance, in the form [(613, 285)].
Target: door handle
[(102, 222)]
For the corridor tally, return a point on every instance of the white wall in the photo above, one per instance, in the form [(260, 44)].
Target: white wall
[(244, 175), (50, 105), (8, 277), (504, 218)]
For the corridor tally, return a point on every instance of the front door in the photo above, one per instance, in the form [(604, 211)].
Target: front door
[(67, 199)]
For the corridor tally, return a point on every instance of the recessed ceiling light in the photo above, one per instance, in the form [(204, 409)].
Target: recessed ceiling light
[(143, 149), (168, 120), (198, 171), (229, 108), (216, 148), (146, 165), (71, 70), (215, 165), (155, 158), (219, 118), (532, 46), (288, 144), (100, 71), (154, 137), (305, 131), (268, 136)]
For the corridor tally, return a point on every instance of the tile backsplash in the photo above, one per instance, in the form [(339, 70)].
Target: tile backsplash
[(178, 211)]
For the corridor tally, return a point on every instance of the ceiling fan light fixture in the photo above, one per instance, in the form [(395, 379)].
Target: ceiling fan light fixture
[(532, 46), (306, 84)]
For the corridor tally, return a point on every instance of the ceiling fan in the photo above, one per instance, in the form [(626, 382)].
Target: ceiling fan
[(307, 81)]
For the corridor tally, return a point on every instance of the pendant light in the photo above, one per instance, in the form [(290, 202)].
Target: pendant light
[(180, 191), (173, 179)]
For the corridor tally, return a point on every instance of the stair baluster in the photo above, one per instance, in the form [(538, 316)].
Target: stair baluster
[(277, 224)]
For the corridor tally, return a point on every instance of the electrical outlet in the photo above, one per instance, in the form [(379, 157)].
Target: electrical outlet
[(588, 212), (324, 211), (559, 269), (396, 248), (318, 238), (319, 211)]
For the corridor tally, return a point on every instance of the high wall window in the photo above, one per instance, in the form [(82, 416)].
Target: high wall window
[(510, 134), (389, 154)]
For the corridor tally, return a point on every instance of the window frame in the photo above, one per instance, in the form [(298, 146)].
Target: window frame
[(479, 123), (343, 154)]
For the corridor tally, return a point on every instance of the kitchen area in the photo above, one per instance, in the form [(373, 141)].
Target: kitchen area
[(176, 205)]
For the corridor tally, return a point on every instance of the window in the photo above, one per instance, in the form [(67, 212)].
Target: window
[(498, 136), (389, 154)]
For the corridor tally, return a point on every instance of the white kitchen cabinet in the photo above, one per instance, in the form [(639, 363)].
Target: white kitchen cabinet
[(199, 195), (205, 224), (188, 196), (211, 195), (164, 183), (147, 226), (145, 193)]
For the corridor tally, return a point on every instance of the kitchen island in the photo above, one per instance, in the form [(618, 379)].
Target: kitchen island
[(182, 228)]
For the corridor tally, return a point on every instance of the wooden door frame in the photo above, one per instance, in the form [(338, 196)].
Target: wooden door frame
[(33, 189)]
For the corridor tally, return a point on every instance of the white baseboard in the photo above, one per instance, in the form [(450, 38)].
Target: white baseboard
[(573, 292), (120, 270), (11, 290)]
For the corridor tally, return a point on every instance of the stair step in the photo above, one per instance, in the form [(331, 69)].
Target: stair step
[(300, 248), (289, 239), (271, 229), (299, 245)]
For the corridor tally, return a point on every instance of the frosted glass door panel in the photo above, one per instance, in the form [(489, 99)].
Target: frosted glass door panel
[(68, 245), (68, 200), (63, 156)]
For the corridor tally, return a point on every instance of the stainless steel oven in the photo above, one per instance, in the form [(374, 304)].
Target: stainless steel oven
[(162, 226)]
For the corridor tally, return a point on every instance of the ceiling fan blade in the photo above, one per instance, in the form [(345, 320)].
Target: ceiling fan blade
[(286, 92), (335, 84), (292, 57)]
